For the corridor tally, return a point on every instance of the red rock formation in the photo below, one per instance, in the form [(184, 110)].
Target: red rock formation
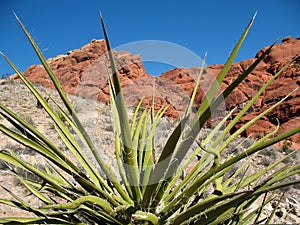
[(84, 72)]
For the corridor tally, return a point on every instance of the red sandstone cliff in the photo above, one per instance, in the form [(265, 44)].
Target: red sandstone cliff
[(84, 72)]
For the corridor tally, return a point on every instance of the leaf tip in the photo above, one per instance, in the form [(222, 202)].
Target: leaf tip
[(205, 56), (253, 18), (15, 14), (255, 14)]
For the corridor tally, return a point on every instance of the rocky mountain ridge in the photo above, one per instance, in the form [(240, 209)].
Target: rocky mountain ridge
[(83, 72)]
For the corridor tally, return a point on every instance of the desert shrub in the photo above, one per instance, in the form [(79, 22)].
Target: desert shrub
[(286, 145), (143, 185)]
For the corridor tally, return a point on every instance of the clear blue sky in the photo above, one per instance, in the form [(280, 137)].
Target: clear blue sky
[(213, 26)]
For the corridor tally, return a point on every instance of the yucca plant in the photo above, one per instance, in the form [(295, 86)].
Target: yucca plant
[(149, 187)]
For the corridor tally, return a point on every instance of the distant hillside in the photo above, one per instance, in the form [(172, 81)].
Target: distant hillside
[(83, 72)]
